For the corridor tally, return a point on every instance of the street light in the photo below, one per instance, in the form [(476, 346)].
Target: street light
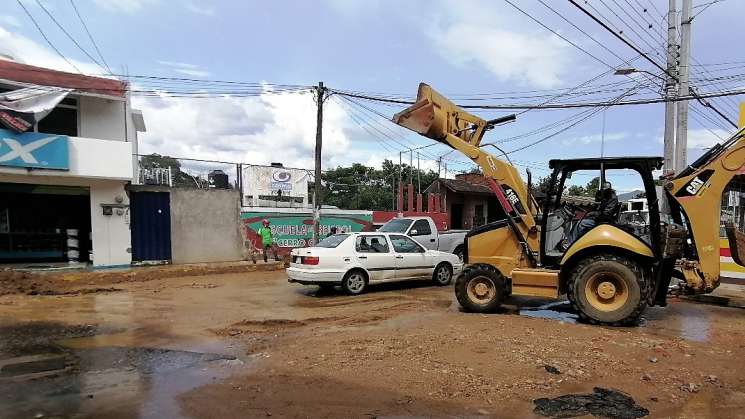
[(627, 71)]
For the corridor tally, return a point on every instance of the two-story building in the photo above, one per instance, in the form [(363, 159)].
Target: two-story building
[(63, 194)]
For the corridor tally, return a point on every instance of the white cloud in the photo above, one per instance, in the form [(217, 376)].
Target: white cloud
[(704, 138), (476, 33), (10, 21), (125, 6), (595, 138), (185, 68), (257, 130), (24, 50), (201, 10)]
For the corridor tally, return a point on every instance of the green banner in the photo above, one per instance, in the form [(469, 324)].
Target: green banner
[(296, 230)]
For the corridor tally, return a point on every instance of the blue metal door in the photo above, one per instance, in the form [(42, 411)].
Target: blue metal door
[(151, 226)]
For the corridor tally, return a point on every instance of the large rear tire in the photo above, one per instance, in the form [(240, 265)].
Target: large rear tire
[(608, 289), (480, 289)]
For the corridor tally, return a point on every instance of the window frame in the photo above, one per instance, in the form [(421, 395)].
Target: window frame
[(405, 237), (359, 237), (418, 231)]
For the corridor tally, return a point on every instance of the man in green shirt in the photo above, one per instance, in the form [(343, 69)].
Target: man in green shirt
[(267, 241)]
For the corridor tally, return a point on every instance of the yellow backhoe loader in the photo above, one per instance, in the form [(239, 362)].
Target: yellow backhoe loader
[(611, 272)]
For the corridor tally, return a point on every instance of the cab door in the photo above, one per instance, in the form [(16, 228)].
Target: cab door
[(422, 233), (412, 260), (374, 254)]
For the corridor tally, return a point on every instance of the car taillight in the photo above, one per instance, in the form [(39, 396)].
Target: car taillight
[(310, 260)]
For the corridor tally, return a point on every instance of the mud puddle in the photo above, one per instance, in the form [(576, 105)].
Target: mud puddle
[(85, 374), (555, 310)]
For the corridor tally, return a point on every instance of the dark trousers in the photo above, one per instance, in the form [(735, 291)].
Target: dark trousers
[(271, 247)]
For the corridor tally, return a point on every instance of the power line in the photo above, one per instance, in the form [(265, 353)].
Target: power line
[(691, 96), (43, 35), (90, 36), (601, 23), (62, 28), (590, 115)]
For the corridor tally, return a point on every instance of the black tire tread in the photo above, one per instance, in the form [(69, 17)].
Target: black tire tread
[(460, 292), (641, 279)]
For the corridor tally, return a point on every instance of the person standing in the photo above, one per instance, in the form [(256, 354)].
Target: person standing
[(267, 241)]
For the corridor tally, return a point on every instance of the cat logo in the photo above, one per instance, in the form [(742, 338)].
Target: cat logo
[(695, 185)]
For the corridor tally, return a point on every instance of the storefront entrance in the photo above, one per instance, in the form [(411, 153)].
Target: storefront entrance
[(44, 223)]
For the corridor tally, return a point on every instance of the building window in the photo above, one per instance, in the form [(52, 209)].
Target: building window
[(62, 120)]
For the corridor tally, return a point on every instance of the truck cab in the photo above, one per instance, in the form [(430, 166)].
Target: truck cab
[(425, 232)]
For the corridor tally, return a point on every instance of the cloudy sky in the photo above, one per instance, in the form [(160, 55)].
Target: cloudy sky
[(478, 51)]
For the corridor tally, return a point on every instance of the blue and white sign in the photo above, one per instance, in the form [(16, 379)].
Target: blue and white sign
[(36, 150)]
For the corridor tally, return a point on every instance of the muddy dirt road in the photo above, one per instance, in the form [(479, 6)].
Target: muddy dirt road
[(252, 345)]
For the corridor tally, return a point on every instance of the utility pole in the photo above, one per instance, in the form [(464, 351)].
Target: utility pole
[(439, 165), (400, 181), (320, 96), (670, 106), (411, 167), (418, 174), (681, 141)]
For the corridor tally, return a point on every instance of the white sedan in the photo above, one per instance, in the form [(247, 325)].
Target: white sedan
[(356, 260)]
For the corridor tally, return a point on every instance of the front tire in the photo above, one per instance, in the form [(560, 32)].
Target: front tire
[(608, 289), (443, 274), (480, 289), (354, 282)]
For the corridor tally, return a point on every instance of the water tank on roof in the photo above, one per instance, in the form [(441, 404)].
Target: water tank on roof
[(218, 180)]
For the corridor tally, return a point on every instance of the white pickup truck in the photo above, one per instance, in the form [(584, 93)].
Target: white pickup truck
[(424, 231)]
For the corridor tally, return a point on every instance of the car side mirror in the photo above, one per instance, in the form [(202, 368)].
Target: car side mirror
[(413, 233)]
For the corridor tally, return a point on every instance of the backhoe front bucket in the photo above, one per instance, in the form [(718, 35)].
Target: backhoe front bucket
[(434, 116), (736, 243)]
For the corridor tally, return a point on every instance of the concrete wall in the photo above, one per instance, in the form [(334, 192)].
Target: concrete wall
[(205, 226)]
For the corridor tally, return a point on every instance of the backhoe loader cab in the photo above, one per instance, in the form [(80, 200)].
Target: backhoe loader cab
[(609, 271)]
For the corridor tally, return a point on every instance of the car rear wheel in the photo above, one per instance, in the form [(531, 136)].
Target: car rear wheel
[(443, 274), (354, 282)]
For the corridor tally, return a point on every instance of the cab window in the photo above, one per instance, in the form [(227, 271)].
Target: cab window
[(371, 244), (421, 227), (403, 244)]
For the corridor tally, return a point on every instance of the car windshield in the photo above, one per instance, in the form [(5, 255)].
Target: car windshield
[(332, 241), (398, 225)]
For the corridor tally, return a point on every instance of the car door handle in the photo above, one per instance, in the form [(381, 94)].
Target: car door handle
[(432, 240), (399, 257), (361, 257)]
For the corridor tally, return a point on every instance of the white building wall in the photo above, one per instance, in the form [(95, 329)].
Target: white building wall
[(101, 118)]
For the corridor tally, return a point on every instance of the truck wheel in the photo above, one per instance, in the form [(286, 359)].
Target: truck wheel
[(354, 282), (480, 289), (608, 289), (443, 274)]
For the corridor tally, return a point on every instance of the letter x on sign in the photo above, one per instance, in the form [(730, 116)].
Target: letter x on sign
[(18, 150)]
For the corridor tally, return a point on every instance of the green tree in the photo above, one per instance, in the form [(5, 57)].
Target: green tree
[(368, 188)]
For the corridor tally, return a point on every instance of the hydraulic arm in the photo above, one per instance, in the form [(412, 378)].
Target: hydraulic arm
[(436, 117), (695, 197)]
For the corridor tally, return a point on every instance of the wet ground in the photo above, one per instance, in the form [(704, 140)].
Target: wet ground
[(252, 345)]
